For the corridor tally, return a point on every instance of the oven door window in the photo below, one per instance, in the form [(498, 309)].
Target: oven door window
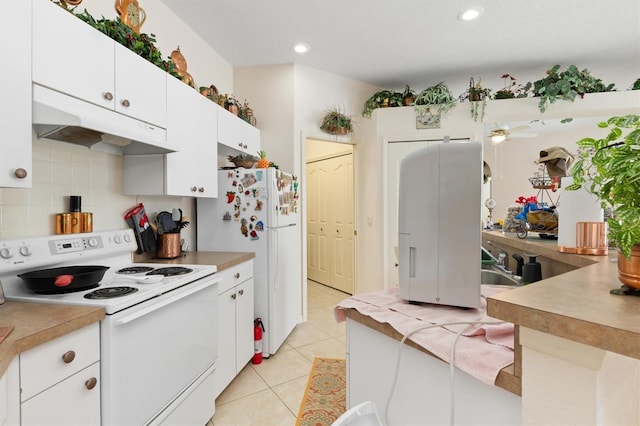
[(152, 352)]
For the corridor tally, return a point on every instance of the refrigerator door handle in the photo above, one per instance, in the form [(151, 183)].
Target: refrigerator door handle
[(275, 228)]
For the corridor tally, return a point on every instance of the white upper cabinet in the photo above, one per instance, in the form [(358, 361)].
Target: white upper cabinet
[(71, 57), (15, 87), (237, 134), (192, 171)]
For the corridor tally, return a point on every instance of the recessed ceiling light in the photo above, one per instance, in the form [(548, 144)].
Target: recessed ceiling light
[(301, 48), (471, 14)]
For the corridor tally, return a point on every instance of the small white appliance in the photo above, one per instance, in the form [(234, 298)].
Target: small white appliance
[(158, 340), (256, 211), (439, 224)]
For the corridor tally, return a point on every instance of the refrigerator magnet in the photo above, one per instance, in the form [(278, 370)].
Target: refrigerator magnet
[(234, 183), (258, 205), (259, 226), (230, 196), (253, 218), (227, 216), (253, 235)]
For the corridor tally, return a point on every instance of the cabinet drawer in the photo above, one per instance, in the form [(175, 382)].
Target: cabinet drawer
[(71, 402), (43, 366), (234, 275)]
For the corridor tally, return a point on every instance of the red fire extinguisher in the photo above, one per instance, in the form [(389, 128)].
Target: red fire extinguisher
[(258, 328)]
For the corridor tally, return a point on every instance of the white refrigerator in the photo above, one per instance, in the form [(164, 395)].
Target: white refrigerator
[(257, 211)]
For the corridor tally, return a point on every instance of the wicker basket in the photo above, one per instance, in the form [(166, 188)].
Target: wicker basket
[(247, 164)]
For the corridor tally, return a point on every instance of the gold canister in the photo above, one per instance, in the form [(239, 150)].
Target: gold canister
[(75, 222), (169, 245), (86, 222), (591, 238), (63, 223)]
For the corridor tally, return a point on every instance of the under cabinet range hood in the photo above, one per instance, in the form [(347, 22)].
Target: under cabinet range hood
[(64, 118)]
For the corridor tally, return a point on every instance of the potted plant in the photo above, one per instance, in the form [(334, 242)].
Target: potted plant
[(408, 96), (381, 99), (232, 104), (434, 100), (336, 123), (636, 85), (566, 85), (477, 96), (609, 167), (512, 89)]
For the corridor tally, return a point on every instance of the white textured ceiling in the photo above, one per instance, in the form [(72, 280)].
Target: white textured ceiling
[(390, 43)]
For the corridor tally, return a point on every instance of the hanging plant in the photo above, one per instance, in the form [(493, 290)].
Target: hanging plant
[(336, 123), (477, 97), (512, 89), (566, 85), (434, 100)]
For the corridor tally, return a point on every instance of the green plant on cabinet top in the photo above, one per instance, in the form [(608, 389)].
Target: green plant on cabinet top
[(381, 99), (566, 85), (477, 97), (610, 168), (142, 44), (512, 89), (436, 99)]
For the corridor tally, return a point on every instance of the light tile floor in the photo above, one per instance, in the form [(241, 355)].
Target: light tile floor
[(270, 393)]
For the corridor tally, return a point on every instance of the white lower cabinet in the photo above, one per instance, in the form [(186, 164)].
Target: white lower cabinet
[(60, 380), (10, 395), (235, 323)]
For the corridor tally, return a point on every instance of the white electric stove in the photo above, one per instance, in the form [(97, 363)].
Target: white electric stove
[(158, 341)]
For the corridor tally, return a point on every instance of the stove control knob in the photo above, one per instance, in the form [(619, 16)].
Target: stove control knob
[(117, 239), (6, 253), (127, 238), (25, 251), (92, 242)]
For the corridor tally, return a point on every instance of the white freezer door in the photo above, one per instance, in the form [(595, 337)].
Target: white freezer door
[(284, 284)]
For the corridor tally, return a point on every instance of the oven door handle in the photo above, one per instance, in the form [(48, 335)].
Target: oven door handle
[(194, 288)]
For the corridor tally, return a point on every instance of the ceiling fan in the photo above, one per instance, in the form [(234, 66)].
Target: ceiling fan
[(501, 133)]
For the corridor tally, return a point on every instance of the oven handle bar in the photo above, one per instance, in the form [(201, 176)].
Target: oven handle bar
[(194, 288)]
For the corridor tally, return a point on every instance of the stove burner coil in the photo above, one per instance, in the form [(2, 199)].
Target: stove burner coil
[(170, 271), (110, 292), (135, 270)]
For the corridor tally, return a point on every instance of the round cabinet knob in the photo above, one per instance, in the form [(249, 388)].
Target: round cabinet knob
[(244, 146), (108, 96), (68, 357), (201, 189), (20, 173), (93, 242), (240, 144), (241, 292), (194, 189), (125, 103), (91, 383), (25, 251), (5, 253), (233, 296), (237, 275), (117, 239)]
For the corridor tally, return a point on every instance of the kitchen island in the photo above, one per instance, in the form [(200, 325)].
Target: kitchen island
[(577, 348)]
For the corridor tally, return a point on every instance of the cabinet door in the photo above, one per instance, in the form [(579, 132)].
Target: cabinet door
[(244, 323), (141, 87), (250, 138), (71, 402), (192, 124), (226, 363), (229, 129), (15, 86), (70, 56)]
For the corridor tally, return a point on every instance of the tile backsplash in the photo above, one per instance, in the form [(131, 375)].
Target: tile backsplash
[(59, 170)]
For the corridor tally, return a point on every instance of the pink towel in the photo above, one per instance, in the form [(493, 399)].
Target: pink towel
[(482, 351)]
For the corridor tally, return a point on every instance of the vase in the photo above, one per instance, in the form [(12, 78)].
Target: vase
[(629, 270), (233, 109)]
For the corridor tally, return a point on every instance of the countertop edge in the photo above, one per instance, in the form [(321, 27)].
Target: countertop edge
[(221, 259), (506, 378), (57, 321)]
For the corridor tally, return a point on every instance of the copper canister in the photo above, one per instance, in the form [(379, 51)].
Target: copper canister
[(591, 238), (86, 222), (169, 245), (63, 223)]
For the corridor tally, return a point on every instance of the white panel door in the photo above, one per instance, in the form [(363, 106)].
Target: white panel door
[(330, 223), (318, 268)]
